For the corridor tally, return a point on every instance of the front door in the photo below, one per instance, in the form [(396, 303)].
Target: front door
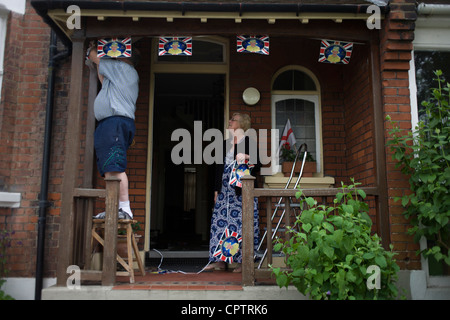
[(182, 194)]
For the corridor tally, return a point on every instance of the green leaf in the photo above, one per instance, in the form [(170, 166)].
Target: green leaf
[(329, 251), (361, 193), (282, 280), (347, 208), (381, 261), (405, 201), (307, 227), (310, 201), (368, 255), (278, 247)]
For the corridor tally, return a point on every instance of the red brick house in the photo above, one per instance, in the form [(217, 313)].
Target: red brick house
[(46, 123)]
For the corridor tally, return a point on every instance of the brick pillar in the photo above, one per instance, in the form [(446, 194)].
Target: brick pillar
[(395, 55)]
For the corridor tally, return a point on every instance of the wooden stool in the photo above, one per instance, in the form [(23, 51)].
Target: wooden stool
[(131, 246)]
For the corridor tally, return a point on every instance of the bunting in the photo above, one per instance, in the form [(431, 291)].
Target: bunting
[(253, 44), (228, 246), (114, 48), (175, 46), (336, 52)]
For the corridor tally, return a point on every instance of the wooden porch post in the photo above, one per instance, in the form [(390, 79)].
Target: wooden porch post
[(72, 152), (380, 153), (111, 218), (248, 267)]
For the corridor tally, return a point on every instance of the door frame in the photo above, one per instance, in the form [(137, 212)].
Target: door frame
[(165, 67)]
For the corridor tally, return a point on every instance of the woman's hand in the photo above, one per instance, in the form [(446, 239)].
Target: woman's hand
[(240, 157), (216, 193)]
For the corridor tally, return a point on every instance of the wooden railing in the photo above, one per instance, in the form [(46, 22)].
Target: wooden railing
[(83, 207), (249, 272), (84, 203)]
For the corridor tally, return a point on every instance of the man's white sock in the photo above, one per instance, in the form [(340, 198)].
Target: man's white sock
[(125, 206)]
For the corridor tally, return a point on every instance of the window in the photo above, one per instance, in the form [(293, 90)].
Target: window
[(426, 62), (295, 96)]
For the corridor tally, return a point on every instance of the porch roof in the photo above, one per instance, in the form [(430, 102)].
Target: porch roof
[(55, 15)]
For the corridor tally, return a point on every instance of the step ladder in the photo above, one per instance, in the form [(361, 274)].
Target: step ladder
[(304, 148)]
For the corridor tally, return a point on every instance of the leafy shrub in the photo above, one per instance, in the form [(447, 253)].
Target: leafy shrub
[(424, 155), (331, 249)]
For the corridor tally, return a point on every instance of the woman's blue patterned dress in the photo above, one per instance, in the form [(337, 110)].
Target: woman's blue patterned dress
[(228, 213)]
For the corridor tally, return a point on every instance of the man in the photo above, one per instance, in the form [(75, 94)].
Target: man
[(115, 108)]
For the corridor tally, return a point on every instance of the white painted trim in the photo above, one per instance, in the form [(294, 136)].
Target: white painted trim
[(23, 288), (10, 199)]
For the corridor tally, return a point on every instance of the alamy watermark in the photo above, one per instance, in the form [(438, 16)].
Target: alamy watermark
[(190, 150), (374, 281), (74, 280), (374, 21)]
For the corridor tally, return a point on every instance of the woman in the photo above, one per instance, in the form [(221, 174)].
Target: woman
[(228, 199)]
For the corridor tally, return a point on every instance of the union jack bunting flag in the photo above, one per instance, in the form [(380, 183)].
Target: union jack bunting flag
[(114, 48), (238, 171), (175, 46), (254, 44), (336, 52), (228, 246)]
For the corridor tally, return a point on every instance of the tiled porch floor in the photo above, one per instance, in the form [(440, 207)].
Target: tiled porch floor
[(216, 280)]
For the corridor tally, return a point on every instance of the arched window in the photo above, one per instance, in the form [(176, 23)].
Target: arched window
[(295, 96)]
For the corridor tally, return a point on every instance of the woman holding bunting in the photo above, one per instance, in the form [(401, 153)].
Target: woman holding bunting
[(240, 149)]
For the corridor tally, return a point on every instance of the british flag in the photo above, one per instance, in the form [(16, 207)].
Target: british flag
[(114, 47), (254, 44), (336, 52), (181, 46), (228, 246), (238, 171)]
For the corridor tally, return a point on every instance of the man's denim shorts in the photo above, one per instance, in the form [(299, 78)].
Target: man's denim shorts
[(112, 139)]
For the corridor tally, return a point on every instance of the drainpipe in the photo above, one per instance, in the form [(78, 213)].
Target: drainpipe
[(54, 57), (433, 9)]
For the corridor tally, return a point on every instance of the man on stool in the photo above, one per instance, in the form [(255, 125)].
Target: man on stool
[(115, 108)]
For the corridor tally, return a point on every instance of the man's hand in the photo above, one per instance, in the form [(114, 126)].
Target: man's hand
[(93, 54), (92, 61)]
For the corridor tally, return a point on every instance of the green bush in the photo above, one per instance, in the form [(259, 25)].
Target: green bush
[(424, 156), (331, 249)]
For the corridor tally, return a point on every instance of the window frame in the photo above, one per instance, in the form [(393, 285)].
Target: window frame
[(308, 95)]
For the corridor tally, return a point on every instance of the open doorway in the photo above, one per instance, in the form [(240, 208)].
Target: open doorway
[(182, 195)]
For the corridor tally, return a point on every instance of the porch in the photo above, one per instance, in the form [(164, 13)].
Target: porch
[(352, 93), (195, 284)]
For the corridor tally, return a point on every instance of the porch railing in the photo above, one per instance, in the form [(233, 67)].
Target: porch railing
[(249, 272), (84, 200), (84, 203)]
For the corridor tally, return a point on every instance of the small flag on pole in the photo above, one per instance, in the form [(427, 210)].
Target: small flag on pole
[(336, 52), (254, 44), (287, 139), (175, 46), (114, 48)]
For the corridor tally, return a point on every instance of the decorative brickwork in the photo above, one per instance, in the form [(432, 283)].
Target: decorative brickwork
[(396, 45)]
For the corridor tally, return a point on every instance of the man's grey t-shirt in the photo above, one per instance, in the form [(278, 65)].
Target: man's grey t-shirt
[(119, 91)]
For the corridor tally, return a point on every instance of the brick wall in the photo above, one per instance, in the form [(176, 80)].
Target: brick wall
[(21, 132), (396, 45)]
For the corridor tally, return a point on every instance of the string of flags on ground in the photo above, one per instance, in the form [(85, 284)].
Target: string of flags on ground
[(331, 51)]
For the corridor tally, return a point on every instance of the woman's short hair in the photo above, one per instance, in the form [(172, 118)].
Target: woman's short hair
[(245, 121)]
